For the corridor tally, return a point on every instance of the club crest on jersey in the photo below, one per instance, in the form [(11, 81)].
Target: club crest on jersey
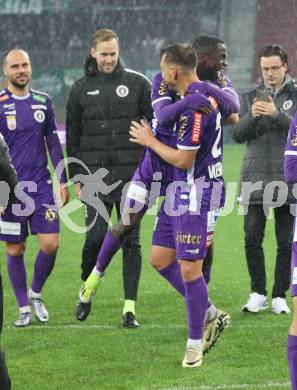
[(196, 128), (50, 215), (39, 116), (287, 105), (122, 91), (11, 122)]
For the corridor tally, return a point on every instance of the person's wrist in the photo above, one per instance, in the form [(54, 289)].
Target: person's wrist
[(275, 114), (150, 142)]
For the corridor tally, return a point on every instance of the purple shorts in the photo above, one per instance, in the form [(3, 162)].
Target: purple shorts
[(15, 228), (188, 234), (152, 168)]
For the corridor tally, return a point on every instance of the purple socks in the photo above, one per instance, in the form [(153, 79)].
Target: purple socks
[(43, 267), (108, 249), (173, 275), (292, 360), (196, 303), (17, 275)]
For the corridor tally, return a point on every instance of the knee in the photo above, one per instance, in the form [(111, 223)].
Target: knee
[(190, 270), (156, 263), (120, 230), (50, 247), (16, 249), (253, 239)]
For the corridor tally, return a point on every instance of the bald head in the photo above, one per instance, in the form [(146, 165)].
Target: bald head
[(17, 69)]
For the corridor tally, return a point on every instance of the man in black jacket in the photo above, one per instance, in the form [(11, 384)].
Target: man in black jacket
[(265, 117), (100, 108), (8, 181)]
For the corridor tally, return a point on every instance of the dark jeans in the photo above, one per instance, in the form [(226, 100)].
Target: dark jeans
[(4, 378), (254, 227), (131, 250)]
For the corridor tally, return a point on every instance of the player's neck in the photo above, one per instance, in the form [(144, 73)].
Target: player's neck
[(186, 81), (18, 91)]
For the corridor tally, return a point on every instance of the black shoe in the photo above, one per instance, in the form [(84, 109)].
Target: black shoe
[(82, 310), (129, 320)]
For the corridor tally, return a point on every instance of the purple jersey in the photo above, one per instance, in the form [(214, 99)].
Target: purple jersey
[(203, 133), (25, 122), (291, 173), (291, 147), (161, 94)]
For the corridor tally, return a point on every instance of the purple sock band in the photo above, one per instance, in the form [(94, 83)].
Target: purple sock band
[(17, 275), (173, 275), (292, 360), (196, 303), (109, 248), (43, 267)]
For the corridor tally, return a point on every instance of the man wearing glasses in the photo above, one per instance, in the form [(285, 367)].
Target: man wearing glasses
[(265, 117)]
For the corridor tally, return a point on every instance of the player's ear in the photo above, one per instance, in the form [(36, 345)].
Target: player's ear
[(5, 69), (174, 73), (93, 52)]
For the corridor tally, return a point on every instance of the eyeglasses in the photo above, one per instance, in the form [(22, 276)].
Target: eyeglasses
[(273, 69)]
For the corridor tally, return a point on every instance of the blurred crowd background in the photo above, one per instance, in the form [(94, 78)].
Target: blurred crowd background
[(57, 34)]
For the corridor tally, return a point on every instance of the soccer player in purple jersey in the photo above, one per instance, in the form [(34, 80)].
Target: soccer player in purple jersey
[(213, 59), (180, 240), (28, 127), (290, 170)]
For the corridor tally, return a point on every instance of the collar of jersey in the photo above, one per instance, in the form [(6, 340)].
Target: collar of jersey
[(18, 97)]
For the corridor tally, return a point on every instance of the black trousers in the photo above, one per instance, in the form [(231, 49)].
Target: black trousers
[(131, 249), (254, 228), (4, 378)]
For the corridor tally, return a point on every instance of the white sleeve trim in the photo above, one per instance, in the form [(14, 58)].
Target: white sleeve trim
[(183, 147), (291, 153), (162, 98)]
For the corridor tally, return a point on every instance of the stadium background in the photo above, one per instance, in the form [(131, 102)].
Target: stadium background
[(57, 34), (98, 355)]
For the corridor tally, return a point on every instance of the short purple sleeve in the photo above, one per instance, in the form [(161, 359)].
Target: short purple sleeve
[(290, 165), (190, 130), (53, 142)]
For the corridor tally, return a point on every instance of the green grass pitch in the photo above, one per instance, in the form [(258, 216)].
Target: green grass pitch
[(99, 355)]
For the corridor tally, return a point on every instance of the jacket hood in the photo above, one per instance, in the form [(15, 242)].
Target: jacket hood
[(91, 68)]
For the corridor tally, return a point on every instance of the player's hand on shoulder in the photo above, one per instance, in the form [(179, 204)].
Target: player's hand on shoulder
[(198, 102), (141, 133)]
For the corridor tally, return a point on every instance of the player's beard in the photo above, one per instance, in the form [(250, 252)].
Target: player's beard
[(207, 74), (18, 85)]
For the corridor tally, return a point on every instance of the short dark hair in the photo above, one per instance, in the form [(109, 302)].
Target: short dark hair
[(274, 50), (205, 44), (181, 54)]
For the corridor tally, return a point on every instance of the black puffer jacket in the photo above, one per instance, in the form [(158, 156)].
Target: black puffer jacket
[(7, 175), (265, 139), (100, 109)]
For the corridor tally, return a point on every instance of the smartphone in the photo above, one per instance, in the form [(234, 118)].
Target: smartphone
[(262, 95)]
